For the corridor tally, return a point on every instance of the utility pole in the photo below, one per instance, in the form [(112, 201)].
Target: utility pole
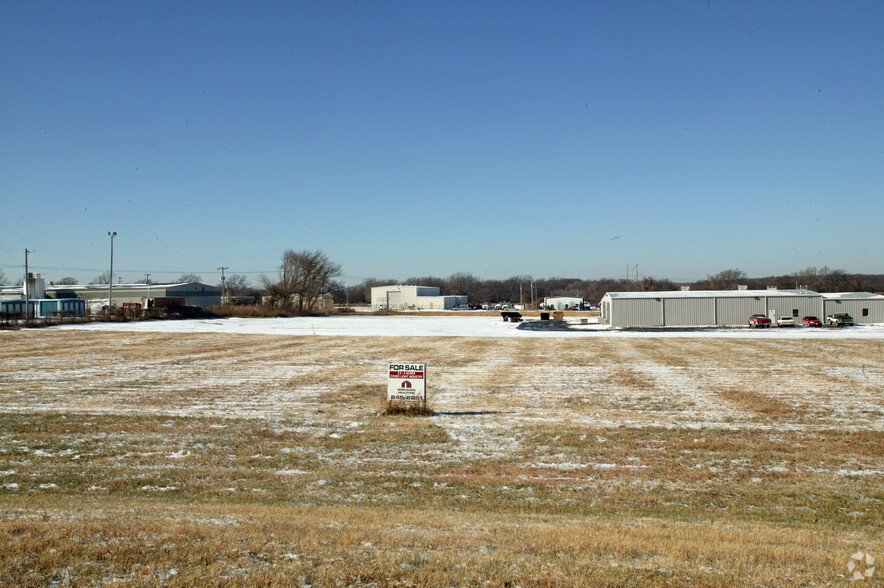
[(27, 288), (110, 278), (222, 268), (629, 279)]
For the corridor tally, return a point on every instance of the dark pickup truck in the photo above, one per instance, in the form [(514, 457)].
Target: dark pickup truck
[(839, 319)]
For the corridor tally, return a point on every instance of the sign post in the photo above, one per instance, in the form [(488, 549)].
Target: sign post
[(407, 383)]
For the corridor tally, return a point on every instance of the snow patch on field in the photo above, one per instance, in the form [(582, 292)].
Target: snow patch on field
[(455, 326)]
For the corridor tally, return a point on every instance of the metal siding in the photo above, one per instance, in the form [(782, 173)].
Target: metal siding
[(640, 312), (605, 310), (854, 308), (722, 310), (736, 311), (784, 305), (394, 300), (451, 301), (689, 312)]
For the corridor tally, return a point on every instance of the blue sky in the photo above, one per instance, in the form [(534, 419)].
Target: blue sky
[(427, 138)]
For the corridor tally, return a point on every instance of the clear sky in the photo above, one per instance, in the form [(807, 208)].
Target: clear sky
[(426, 138)]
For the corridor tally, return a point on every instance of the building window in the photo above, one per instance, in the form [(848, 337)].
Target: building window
[(794, 313), (865, 312)]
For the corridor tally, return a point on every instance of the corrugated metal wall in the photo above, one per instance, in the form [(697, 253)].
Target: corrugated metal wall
[(731, 310), (689, 312), (394, 300), (638, 312), (854, 308), (788, 305), (736, 311)]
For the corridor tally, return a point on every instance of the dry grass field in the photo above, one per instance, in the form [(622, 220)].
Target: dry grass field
[(164, 459)]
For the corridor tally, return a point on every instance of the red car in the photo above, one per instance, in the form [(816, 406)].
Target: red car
[(811, 321), (759, 321)]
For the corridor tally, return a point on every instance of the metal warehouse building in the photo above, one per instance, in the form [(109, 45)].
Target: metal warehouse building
[(413, 298), (193, 293), (563, 302), (705, 308), (865, 308)]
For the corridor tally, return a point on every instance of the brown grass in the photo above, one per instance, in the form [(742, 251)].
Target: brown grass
[(250, 460), (412, 409), (756, 403)]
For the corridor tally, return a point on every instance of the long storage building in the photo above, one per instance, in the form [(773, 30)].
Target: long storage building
[(705, 307), (865, 308)]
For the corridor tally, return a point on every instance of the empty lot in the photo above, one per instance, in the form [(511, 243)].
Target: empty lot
[(157, 457)]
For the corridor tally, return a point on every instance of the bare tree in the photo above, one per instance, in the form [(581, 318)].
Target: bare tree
[(651, 284), (67, 281), (304, 276), (236, 284), (186, 278), (727, 279), (102, 278), (466, 284), (2, 278)]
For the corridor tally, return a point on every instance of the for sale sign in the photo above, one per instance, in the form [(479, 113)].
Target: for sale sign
[(408, 382)]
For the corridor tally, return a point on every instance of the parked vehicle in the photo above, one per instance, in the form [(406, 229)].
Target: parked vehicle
[(785, 321), (811, 321), (839, 319), (759, 321)]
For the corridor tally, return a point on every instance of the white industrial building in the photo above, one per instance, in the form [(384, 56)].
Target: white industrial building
[(705, 308), (399, 297), (865, 308), (563, 303)]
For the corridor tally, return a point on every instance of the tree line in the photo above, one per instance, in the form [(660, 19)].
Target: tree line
[(305, 276), (520, 288)]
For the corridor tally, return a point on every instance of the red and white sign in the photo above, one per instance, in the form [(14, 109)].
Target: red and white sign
[(407, 382)]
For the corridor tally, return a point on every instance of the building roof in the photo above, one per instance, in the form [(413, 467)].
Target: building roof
[(102, 287), (851, 296), (138, 286), (710, 294)]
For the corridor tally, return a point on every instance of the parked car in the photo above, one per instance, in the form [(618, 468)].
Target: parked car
[(785, 321), (759, 321), (811, 321), (839, 319)]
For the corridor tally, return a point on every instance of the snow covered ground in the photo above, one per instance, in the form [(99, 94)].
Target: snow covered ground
[(458, 326)]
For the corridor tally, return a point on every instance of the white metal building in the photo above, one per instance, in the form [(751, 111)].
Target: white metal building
[(865, 308), (562, 302), (705, 307), (399, 297)]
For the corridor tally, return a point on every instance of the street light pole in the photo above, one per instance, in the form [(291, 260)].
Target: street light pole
[(27, 285), (222, 268), (110, 280)]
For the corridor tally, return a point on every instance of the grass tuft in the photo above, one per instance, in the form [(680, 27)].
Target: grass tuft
[(413, 409)]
